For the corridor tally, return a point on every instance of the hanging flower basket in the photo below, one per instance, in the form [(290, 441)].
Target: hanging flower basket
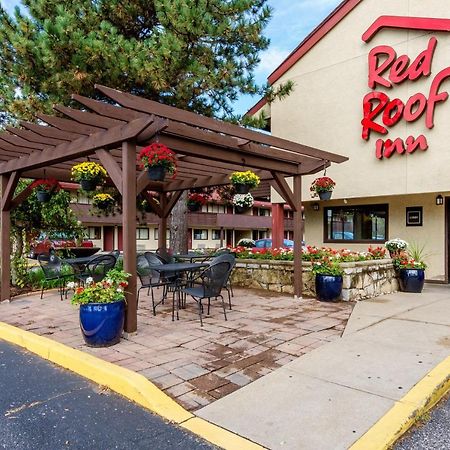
[(104, 202), (89, 175), (322, 187), (159, 160), (242, 202), (196, 201), (244, 181), (45, 188)]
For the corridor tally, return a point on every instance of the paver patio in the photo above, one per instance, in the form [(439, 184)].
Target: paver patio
[(195, 365)]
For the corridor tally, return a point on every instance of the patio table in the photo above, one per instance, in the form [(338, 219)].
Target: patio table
[(78, 264), (179, 268), (191, 257)]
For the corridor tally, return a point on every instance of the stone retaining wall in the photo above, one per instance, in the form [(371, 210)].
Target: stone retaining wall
[(363, 279)]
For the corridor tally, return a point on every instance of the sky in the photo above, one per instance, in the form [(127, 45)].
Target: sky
[(291, 21)]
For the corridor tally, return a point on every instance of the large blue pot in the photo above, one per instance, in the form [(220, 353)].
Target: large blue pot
[(411, 280), (328, 287), (102, 323)]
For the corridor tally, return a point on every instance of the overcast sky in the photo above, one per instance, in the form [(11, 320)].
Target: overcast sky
[(292, 20)]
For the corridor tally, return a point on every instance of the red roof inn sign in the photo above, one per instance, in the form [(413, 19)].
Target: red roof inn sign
[(381, 111)]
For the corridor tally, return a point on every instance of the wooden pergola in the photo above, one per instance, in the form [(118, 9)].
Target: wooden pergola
[(112, 133)]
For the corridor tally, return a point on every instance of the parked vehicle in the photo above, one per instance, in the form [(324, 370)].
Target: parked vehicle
[(267, 243), (49, 244)]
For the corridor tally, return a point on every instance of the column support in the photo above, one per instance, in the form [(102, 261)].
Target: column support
[(277, 225), (129, 231), (162, 234), (298, 237), (5, 250)]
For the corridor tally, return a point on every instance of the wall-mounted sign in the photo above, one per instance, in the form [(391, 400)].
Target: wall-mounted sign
[(414, 216), (381, 111)]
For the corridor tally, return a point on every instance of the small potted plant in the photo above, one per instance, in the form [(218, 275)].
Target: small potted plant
[(102, 308), (242, 202), (322, 187), (103, 203), (244, 181), (411, 274), (45, 187), (396, 247), (196, 201), (89, 175), (328, 277), (159, 160)]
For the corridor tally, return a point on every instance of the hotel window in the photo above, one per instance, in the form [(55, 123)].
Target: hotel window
[(215, 235), (367, 223), (94, 232), (156, 234), (142, 234), (200, 235)]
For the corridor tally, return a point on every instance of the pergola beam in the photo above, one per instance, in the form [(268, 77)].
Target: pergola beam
[(285, 190), (152, 107), (80, 147), (111, 166), (8, 193)]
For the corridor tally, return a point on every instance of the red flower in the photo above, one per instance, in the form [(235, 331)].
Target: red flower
[(79, 290), (157, 154), (197, 198), (47, 185)]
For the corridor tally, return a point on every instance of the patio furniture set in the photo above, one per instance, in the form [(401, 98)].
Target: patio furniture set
[(203, 277)]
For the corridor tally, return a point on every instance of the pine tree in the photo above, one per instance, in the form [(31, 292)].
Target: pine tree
[(198, 55)]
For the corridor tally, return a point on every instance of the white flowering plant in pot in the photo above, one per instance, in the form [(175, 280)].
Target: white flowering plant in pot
[(243, 200)]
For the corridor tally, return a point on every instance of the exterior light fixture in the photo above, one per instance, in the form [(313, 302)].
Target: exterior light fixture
[(439, 200), (315, 206)]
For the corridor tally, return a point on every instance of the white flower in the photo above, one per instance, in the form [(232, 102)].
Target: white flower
[(119, 290), (89, 280), (71, 285), (109, 281)]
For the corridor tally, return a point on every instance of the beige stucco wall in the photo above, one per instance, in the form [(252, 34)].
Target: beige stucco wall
[(431, 235), (325, 111)]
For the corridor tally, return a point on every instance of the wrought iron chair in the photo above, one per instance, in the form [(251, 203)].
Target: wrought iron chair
[(211, 282), (151, 278), (97, 268), (230, 258), (164, 254), (52, 267)]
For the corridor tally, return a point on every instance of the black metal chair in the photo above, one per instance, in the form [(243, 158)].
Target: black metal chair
[(97, 268), (211, 282), (230, 258), (150, 278), (115, 253), (52, 267), (164, 255)]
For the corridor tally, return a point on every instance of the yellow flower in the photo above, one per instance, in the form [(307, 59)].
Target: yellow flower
[(248, 177), (88, 171)]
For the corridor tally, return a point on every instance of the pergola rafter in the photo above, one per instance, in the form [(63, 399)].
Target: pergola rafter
[(112, 133)]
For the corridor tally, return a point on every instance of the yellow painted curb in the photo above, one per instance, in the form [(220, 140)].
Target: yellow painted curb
[(130, 384), (397, 421)]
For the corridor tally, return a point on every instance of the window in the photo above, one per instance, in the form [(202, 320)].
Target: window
[(142, 234), (216, 235), (200, 235), (94, 232), (156, 234), (356, 223), (264, 212)]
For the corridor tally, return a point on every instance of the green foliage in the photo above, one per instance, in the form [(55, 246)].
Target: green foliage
[(198, 55), (36, 278), (19, 266), (327, 267), (417, 252), (111, 289)]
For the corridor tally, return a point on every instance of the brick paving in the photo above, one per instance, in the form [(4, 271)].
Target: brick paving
[(195, 365)]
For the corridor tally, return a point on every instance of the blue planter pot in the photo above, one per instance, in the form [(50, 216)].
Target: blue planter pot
[(102, 323), (326, 195), (411, 280), (328, 287)]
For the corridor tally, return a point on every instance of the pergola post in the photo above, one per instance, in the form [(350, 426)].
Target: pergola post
[(162, 235), (129, 231), (298, 237), (277, 225), (5, 250)]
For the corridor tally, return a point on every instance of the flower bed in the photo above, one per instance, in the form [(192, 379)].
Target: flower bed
[(361, 280)]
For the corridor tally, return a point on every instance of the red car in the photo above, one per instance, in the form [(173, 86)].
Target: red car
[(47, 245)]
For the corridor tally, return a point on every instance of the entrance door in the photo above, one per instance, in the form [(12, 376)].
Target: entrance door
[(120, 239), (108, 239), (447, 239)]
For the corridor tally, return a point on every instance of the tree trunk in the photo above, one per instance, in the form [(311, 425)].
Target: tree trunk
[(179, 226)]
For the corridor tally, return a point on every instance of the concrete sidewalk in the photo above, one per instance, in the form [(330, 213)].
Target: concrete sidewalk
[(328, 398)]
